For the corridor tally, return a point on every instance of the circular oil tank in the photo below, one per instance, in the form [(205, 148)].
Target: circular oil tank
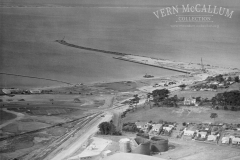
[(159, 144), (125, 145), (143, 146)]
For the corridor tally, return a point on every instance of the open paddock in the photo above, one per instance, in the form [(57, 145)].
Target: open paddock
[(123, 86), (5, 116), (181, 114), (42, 110), (19, 127)]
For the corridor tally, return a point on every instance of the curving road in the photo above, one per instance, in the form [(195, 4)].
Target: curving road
[(19, 116)]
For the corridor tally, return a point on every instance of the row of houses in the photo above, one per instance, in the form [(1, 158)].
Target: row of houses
[(18, 91), (212, 133), (155, 128)]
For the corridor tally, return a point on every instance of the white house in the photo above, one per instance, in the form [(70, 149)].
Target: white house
[(36, 91), (157, 127), (142, 125), (189, 101), (9, 91), (6, 91), (212, 138), (225, 140), (236, 140), (168, 128), (188, 132), (202, 134)]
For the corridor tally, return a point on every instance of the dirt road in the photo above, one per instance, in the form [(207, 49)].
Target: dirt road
[(19, 116)]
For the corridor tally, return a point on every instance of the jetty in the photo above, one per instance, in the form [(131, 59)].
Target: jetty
[(63, 42), (34, 77), (154, 65), (125, 57)]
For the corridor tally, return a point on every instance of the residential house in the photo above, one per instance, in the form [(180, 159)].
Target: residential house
[(35, 91), (157, 128), (143, 125), (236, 140), (168, 128), (202, 134), (212, 138), (10, 91), (6, 91), (225, 140), (140, 125), (214, 82), (188, 132), (189, 101)]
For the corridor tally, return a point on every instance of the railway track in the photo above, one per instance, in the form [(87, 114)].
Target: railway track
[(53, 145)]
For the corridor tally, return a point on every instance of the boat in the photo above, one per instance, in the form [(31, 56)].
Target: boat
[(148, 76)]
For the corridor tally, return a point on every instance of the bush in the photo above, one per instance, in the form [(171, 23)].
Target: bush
[(107, 128)]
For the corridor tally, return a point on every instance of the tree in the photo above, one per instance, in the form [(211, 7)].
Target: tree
[(198, 99), (182, 86), (219, 78), (51, 100), (135, 101), (77, 100), (107, 128), (213, 116), (236, 79), (159, 95), (213, 86), (229, 79)]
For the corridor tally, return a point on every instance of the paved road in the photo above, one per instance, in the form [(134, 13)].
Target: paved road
[(64, 154)]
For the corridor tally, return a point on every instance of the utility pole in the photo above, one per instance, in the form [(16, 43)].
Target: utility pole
[(203, 70)]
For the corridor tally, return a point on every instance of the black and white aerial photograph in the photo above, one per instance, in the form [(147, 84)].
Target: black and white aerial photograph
[(119, 80)]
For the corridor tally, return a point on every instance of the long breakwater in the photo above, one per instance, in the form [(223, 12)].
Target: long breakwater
[(26, 76), (121, 58), (164, 67), (90, 49)]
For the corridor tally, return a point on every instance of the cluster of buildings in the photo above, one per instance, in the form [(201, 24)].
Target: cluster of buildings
[(212, 133), (19, 91), (213, 85), (190, 101), (164, 84), (154, 129)]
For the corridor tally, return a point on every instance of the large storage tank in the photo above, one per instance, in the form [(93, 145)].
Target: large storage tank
[(125, 145), (142, 146), (159, 144)]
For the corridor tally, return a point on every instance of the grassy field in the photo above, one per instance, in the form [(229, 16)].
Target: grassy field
[(4, 116), (205, 94), (182, 114), (24, 127)]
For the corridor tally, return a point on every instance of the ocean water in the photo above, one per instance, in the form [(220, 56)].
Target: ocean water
[(28, 47)]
